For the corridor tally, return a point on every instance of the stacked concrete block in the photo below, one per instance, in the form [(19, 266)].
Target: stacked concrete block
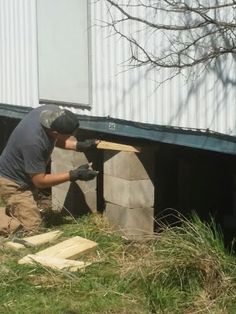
[(79, 197), (129, 192)]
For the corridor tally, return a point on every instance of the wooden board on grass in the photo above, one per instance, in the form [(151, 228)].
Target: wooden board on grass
[(54, 262), (117, 146), (70, 248), (14, 245), (36, 240)]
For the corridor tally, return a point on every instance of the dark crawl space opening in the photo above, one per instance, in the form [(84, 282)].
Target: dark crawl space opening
[(186, 179), (190, 180)]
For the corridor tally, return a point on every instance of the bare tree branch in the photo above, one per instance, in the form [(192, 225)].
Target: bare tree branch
[(176, 34)]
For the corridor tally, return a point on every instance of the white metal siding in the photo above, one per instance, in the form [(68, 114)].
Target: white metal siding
[(18, 57), (206, 103)]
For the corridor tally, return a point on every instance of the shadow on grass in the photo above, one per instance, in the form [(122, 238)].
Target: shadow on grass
[(52, 218)]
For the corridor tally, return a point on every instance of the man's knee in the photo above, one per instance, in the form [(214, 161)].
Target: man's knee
[(29, 218), (24, 208), (8, 224), (32, 223)]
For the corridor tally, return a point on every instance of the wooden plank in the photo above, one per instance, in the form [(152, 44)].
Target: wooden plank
[(70, 248), (117, 146), (36, 240), (44, 237), (54, 262), (14, 245)]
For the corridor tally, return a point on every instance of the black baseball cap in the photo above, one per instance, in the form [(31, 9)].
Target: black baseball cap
[(61, 120)]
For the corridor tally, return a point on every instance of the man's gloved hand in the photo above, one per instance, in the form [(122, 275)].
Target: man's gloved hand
[(85, 145), (83, 173)]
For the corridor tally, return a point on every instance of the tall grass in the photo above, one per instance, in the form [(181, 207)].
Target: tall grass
[(183, 269), (187, 270)]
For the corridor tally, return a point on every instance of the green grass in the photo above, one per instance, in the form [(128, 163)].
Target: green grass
[(183, 269)]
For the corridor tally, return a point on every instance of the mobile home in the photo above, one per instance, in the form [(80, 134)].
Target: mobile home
[(62, 52)]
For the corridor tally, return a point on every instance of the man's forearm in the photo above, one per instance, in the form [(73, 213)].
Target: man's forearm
[(42, 180), (71, 143), (66, 142)]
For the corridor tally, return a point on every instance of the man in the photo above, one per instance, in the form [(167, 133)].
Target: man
[(24, 161)]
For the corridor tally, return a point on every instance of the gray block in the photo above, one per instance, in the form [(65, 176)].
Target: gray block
[(128, 165), (79, 197), (134, 223), (58, 197), (68, 157), (74, 200), (132, 194)]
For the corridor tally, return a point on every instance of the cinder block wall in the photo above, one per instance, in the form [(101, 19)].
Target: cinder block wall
[(129, 191)]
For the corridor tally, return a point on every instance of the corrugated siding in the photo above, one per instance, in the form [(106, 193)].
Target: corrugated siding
[(208, 102), (18, 53)]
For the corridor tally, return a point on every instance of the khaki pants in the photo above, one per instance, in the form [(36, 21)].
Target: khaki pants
[(21, 208)]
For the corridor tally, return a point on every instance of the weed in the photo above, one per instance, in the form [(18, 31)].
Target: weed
[(183, 269)]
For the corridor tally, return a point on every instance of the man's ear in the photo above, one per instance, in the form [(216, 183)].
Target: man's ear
[(53, 134)]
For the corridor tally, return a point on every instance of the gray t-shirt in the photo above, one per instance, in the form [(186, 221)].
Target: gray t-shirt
[(27, 151)]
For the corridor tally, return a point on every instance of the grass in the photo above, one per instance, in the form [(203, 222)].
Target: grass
[(183, 269)]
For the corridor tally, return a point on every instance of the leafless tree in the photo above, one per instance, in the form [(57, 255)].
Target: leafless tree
[(175, 34)]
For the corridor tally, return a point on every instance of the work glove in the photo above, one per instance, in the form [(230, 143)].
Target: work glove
[(85, 145), (83, 173)]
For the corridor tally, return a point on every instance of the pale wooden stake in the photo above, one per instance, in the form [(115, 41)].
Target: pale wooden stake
[(117, 146), (36, 240), (54, 262), (70, 248)]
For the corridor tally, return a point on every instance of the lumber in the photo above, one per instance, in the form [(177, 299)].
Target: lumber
[(14, 245), (70, 248), (117, 146), (36, 240), (54, 262)]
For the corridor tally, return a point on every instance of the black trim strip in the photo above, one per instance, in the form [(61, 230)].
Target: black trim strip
[(200, 139)]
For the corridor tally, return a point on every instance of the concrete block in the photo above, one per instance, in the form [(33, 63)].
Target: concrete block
[(74, 200), (73, 159), (132, 194), (58, 198), (134, 223), (128, 165), (67, 159), (79, 197)]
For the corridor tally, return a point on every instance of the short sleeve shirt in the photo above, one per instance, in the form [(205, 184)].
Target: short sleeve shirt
[(27, 151)]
